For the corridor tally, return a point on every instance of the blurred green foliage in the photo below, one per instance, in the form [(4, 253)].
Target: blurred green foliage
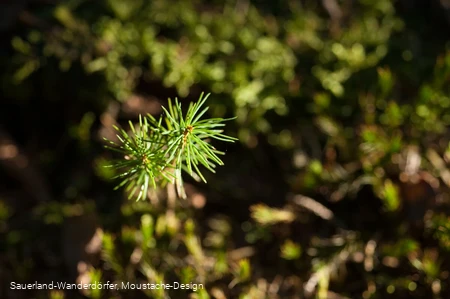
[(348, 104)]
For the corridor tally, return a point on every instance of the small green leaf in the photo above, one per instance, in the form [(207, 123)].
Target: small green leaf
[(290, 250)]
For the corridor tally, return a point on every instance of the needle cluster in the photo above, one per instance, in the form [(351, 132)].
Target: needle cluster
[(156, 151)]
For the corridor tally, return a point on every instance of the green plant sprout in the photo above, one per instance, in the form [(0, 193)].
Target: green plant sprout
[(158, 150)]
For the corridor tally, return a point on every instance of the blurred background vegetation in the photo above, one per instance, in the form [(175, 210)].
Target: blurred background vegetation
[(338, 188)]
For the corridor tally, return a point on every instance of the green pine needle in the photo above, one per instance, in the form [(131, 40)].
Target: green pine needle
[(156, 154)]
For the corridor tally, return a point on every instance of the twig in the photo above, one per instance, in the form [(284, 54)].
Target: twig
[(241, 253), (327, 269), (318, 209)]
